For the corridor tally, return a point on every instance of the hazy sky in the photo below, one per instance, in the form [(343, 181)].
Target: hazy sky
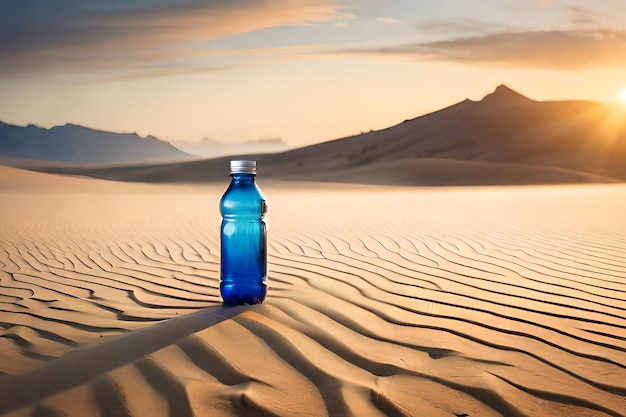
[(302, 70)]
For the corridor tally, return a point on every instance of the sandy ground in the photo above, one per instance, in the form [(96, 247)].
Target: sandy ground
[(398, 301)]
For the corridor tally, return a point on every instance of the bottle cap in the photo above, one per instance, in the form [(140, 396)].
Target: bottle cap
[(243, 167)]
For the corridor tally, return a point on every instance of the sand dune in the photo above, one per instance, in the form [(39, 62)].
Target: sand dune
[(383, 301), (397, 172), (448, 172)]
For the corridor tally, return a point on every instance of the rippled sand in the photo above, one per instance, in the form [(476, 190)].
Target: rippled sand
[(383, 301)]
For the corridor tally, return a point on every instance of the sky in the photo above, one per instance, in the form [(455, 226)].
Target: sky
[(303, 71)]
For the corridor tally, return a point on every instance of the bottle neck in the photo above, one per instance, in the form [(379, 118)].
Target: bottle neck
[(243, 177)]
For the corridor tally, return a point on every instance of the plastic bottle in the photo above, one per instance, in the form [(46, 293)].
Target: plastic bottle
[(243, 237)]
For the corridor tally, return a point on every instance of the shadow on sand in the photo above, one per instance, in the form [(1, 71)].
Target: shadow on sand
[(84, 365)]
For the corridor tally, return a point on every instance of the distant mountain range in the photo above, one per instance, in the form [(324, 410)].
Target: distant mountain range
[(505, 138), (72, 143), (209, 148)]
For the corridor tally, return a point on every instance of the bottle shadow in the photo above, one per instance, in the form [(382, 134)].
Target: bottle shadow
[(84, 365)]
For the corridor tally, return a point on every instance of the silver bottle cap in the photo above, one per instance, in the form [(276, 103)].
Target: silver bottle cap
[(243, 167)]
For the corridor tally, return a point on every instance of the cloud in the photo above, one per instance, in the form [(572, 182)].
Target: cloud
[(462, 26), (389, 20), (581, 16), (89, 35), (561, 50)]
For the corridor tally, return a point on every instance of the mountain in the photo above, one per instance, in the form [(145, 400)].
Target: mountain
[(505, 138), (209, 148), (503, 127), (72, 143)]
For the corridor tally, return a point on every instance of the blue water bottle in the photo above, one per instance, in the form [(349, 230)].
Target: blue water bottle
[(243, 236)]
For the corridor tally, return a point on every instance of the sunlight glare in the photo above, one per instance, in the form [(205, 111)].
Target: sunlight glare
[(623, 96)]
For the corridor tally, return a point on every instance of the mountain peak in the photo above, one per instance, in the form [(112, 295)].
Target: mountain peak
[(75, 143), (504, 93)]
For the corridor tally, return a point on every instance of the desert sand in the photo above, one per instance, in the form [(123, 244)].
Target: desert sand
[(397, 301)]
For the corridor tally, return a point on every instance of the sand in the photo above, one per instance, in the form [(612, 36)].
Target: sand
[(398, 301)]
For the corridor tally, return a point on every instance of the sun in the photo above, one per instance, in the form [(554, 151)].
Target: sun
[(622, 96)]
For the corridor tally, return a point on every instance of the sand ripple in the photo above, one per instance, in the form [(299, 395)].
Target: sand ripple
[(111, 307)]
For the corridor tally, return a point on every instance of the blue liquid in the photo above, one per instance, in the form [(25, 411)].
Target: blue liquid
[(243, 262)]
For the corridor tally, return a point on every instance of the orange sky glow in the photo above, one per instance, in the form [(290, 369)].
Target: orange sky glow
[(305, 72)]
